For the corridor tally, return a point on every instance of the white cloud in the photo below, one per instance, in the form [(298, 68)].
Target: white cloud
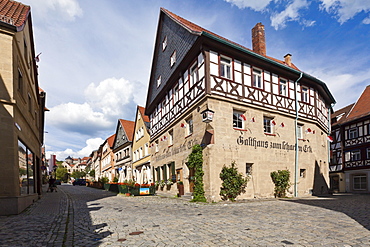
[(110, 96), (67, 9), (259, 5), (366, 20), (345, 9), (91, 145), (278, 20)]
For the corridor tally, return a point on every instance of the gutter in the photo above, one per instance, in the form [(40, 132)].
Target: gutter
[(296, 165)]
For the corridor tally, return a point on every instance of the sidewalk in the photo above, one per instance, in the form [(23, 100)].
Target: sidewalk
[(42, 224)]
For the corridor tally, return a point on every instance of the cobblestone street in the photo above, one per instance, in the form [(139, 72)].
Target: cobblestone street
[(83, 216)]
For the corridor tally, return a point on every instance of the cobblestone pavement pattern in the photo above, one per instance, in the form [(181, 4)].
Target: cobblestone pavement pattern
[(82, 216)]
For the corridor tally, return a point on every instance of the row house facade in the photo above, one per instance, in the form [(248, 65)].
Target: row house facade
[(140, 144), (350, 148), (267, 114), (107, 159), (122, 146), (22, 108)]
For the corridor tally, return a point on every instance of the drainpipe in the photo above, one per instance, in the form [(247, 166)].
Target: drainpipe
[(329, 133), (296, 138)]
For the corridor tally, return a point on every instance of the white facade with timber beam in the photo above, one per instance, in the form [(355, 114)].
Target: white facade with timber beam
[(257, 102)]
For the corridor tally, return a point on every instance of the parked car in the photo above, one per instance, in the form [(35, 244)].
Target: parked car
[(79, 181), (57, 182)]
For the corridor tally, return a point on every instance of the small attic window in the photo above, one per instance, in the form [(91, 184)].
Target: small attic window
[(159, 80), (173, 58), (340, 116), (164, 43)]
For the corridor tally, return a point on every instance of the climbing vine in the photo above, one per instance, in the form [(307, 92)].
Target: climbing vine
[(233, 183), (195, 161)]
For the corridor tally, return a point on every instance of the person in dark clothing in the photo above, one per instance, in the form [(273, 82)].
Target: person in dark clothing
[(52, 185)]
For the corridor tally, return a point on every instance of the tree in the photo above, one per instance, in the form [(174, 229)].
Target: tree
[(61, 173), (78, 174), (92, 173), (281, 181), (233, 183), (195, 161)]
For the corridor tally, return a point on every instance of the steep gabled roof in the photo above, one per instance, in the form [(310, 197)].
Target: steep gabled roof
[(362, 106), (142, 112), (110, 140), (128, 126), (354, 111), (194, 28), (13, 13)]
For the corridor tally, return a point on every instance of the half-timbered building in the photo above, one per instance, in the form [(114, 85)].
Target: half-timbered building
[(350, 148), (268, 115), (122, 146), (107, 159)]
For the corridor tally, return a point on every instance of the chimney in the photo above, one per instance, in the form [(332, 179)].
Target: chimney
[(288, 59), (258, 39)]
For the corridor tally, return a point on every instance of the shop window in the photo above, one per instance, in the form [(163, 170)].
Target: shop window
[(359, 182), (26, 169)]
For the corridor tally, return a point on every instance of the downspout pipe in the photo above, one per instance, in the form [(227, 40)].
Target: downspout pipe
[(296, 166)]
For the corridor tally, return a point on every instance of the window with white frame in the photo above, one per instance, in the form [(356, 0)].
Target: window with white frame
[(238, 120), (176, 93), (146, 149), (283, 87), (353, 155), (173, 58), (189, 126), (359, 182), (140, 152), (257, 78), (352, 133), (304, 94), (193, 74), (164, 43), (159, 81), (225, 67), (299, 131), (267, 125)]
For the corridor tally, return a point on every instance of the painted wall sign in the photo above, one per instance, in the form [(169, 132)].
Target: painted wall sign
[(175, 150), (254, 142)]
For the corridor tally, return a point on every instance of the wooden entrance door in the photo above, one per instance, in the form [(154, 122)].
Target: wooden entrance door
[(191, 179)]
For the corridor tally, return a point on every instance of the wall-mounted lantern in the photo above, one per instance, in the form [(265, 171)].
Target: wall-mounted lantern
[(207, 115)]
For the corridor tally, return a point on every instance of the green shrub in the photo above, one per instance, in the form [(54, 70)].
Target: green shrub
[(233, 183), (281, 181)]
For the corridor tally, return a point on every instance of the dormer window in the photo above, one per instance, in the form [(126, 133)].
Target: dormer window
[(164, 43), (159, 80), (173, 58)]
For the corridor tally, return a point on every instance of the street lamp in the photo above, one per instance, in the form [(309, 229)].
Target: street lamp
[(207, 115)]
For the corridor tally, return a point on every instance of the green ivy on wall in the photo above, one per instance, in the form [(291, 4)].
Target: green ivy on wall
[(195, 161)]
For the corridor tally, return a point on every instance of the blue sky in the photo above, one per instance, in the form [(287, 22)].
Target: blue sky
[(96, 55)]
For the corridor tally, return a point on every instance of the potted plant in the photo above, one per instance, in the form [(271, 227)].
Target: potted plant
[(180, 187)]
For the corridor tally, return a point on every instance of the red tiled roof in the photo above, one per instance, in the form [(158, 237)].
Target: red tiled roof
[(341, 114), (13, 13), (142, 112), (362, 106), (129, 128), (110, 140), (197, 29)]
